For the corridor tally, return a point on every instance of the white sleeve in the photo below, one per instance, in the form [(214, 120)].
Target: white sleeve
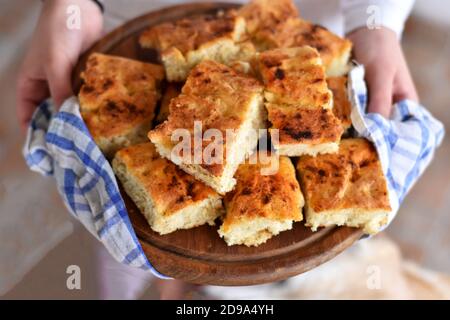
[(391, 14)]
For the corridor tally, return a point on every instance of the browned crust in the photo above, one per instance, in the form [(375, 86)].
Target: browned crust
[(350, 179), (212, 80), (342, 107), (267, 14), (189, 34), (295, 76), (217, 96), (276, 196), (170, 188), (295, 32), (298, 96), (118, 94), (310, 126)]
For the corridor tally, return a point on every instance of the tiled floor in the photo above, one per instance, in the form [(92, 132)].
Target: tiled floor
[(31, 228)]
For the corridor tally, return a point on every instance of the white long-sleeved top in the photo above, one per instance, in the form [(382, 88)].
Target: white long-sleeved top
[(340, 16)]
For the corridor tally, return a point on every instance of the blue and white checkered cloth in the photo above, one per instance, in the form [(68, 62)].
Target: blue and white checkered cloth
[(405, 143), (59, 145)]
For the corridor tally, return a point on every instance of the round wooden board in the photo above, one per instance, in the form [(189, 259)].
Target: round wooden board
[(199, 255)]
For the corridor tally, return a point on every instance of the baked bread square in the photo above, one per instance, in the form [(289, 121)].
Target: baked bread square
[(347, 188), (220, 100), (261, 206), (185, 43), (299, 103), (118, 100), (276, 24), (169, 198), (263, 15), (297, 130), (295, 76), (334, 50), (342, 107)]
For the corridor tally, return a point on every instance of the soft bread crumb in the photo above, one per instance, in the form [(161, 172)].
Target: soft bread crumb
[(370, 221), (254, 232)]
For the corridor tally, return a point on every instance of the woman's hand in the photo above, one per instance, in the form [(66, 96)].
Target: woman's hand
[(53, 52), (387, 74)]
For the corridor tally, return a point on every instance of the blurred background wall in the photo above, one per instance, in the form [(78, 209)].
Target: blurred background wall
[(38, 240)]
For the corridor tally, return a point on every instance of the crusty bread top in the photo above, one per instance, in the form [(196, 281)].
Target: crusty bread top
[(276, 196), (170, 188), (217, 96), (304, 125), (212, 81), (342, 107), (118, 93), (189, 34), (351, 178), (295, 32), (266, 14), (295, 76), (110, 77)]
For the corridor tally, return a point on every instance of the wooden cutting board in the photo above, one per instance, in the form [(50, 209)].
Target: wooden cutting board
[(199, 255)]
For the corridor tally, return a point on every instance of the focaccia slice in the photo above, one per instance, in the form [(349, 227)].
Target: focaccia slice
[(261, 206), (347, 188), (342, 107), (216, 97), (262, 15), (118, 100), (276, 24), (295, 32), (295, 76), (299, 102), (169, 198), (302, 130), (186, 42)]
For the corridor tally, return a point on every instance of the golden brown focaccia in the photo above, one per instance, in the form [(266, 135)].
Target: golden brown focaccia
[(262, 15), (299, 102), (169, 198), (118, 100), (276, 24), (218, 98), (261, 206), (295, 76), (303, 130), (186, 42), (346, 188)]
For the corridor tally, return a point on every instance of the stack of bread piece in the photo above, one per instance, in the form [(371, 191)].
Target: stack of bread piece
[(276, 24), (233, 72), (221, 99), (299, 102)]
